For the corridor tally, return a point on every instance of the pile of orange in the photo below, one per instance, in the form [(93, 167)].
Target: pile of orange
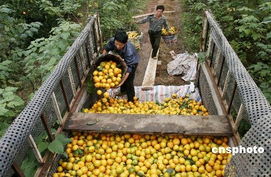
[(107, 75), (130, 155), (174, 106)]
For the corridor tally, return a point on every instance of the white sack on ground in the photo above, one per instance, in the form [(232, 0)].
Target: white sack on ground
[(183, 64)]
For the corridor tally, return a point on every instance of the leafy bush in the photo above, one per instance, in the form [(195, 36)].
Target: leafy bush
[(14, 32), (34, 35), (247, 26), (10, 105), (5, 71), (19, 25), (262, 73), (44, 53), (30, 163), (61, 8), (117, 14)]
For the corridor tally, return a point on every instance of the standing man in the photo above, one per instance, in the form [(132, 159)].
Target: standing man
[(119, 44), (157, 22)]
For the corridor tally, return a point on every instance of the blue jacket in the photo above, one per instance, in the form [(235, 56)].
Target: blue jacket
[(128, 53)]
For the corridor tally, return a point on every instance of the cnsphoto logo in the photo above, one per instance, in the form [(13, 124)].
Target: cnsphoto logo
[(238, 149)]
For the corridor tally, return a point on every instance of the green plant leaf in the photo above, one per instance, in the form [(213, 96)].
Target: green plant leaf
[(56, 146), (29, 165), (42, 146), (65, 35), (63, 139), (201, 56), (3, 127)]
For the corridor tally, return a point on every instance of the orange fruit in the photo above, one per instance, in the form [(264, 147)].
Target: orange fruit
[(99, 92), (176, 141), (106, 94), (184, 141)]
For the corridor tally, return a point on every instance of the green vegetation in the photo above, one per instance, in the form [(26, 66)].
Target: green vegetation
[(247, 26), (33, 43), (46, 52), (25, 48), (30, 163), (34, 35), (117, 14), (10, 106)]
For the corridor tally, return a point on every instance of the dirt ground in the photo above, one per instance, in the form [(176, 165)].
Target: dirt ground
[(162, 77)]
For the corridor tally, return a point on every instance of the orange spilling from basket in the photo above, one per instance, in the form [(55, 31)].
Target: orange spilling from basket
[(108, 73)]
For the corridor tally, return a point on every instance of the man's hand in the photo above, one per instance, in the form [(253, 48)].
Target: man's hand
[(125, 78), (104, 52)]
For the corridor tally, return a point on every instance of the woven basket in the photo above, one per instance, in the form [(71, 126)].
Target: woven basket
[(137, 41), (170, 38), (116, 58)]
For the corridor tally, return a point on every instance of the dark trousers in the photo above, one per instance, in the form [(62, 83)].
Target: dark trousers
[(155, 37), (128, 85)]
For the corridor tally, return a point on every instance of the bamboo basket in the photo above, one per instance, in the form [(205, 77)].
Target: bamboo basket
[(112, 57)]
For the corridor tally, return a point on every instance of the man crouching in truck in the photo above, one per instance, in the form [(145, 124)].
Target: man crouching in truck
[(120, 45)]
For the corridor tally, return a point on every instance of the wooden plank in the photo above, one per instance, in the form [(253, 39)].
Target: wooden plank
[(35, 149), (97, 33), (226, 85), (83, 59), (216, 95), (214, 92), (71, 78), (149, 77), (210, 46), (64, 95), (56, 108), (217, 60), (44, 120), (83, 95), (144, 15), (220, 71), (239, 117), (142, 123), (100, 32), (232, 97), (17, 169), (204, 35), (48, 163)]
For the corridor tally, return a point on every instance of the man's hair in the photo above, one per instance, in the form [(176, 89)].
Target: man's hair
[(160, 7), (121, 36)]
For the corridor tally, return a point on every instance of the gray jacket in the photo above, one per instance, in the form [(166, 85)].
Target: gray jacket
[(156, 24)]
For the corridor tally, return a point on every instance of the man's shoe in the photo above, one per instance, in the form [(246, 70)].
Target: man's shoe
[(155, 58)]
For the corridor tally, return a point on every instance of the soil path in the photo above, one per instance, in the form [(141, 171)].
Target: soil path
[(162, 77)]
